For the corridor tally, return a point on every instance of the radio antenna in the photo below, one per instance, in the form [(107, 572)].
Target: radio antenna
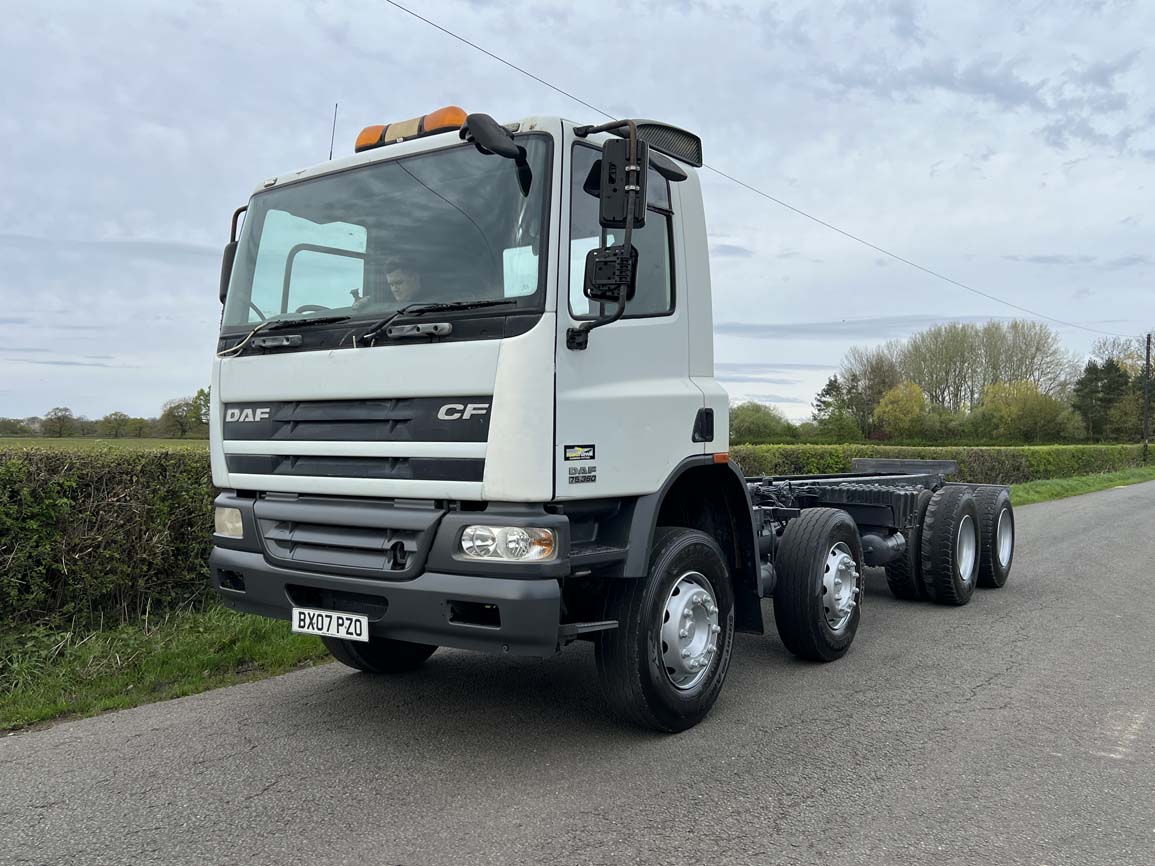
[(333, 133)]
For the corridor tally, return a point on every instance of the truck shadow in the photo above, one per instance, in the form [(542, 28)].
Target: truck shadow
[(458, 698)]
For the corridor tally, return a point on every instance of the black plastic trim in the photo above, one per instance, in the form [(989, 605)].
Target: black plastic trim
[(392, 468), (416, 610)]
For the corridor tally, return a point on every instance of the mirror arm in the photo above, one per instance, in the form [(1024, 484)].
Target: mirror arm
[(236, 222), (578, 338)]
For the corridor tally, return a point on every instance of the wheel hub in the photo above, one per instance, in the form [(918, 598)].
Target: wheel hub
[(690, 630), (841, 587), (1005, 535), (966, 549)]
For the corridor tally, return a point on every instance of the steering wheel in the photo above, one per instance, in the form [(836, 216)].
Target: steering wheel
[(311, 308), (257, 310)]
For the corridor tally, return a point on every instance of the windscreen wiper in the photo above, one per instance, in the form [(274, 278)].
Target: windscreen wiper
[(277, 325), (421, 309), (280, 324)]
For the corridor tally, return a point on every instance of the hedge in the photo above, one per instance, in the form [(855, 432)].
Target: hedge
[(1011, 465), (88, 537), (91, 537)]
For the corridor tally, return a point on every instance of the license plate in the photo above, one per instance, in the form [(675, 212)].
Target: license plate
[(328, 623)]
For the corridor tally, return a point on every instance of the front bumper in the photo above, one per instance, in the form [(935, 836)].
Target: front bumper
[(433, 608)]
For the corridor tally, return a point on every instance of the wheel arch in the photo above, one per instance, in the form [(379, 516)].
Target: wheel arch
[(712, 497)]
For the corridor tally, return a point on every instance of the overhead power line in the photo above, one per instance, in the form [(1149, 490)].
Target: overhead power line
[(849, 235)]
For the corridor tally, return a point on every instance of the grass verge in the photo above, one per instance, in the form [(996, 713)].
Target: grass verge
[(47, 674), (1061, 488)]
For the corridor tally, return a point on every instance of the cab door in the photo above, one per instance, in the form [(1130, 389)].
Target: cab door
[(626, 405)]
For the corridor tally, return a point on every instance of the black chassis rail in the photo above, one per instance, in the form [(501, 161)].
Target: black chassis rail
[(882, 505)]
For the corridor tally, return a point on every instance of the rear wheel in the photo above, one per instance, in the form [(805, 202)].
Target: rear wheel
[(904, 575), (664, 665), (817, 601), (950, 546), (997, 532), (380, 655)]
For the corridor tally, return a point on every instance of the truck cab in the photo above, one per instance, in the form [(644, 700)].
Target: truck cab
[(464, 396)]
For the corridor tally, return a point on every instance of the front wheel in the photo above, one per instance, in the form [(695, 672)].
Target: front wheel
[(664, 665), (381, 655)]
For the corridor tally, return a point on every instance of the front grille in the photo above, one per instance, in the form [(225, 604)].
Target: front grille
[(363, 539), (313, 544)]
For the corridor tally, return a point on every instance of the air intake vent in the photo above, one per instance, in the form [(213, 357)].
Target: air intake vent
[(376, 540)]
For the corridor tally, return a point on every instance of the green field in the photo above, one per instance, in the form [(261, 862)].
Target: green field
[(77, 443)]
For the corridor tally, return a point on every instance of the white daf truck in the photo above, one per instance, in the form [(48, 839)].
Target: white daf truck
[(464, 397)]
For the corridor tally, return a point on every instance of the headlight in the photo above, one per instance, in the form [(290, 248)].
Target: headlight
[(509, 543), (229, 524)]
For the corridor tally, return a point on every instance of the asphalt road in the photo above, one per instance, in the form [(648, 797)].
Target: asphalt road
[(1019, 729)]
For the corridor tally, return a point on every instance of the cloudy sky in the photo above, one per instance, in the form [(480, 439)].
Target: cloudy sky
[(1009, 145)]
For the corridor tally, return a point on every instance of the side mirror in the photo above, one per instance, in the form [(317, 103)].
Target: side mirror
[(230, 252), (227, 267), (611, 275), (619, 178), (489, 136)]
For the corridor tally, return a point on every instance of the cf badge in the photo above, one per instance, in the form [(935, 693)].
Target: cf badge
[(461, 411)]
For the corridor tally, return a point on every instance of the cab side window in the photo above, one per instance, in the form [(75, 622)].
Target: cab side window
[(655, 290)]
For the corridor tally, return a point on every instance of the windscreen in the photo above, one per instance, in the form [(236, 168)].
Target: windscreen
[(452, 225)]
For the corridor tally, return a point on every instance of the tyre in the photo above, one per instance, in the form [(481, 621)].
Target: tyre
[(818, 599), (950, 546), (997, 534), (664, 665), (381, 655), (904, 575)]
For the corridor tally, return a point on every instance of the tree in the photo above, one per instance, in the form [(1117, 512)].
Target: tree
[(58, 422), (138, 427), (759, 424), (1019, 412), (955, 362), (867, 374), (1125, 418), (901, 413), (830, 400), (177, 417), (13, 427), (200, 403), (1096, 392), (839, 427), (114, 424), (1130, 353), (945, 361)]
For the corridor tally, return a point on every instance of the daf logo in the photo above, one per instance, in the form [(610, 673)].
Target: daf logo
[(247, 414), (461, 411)]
